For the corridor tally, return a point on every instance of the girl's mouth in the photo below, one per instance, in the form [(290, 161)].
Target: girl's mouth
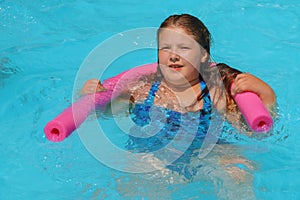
[(175, 67)]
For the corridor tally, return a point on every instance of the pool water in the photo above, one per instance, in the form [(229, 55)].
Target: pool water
[(42, 47)]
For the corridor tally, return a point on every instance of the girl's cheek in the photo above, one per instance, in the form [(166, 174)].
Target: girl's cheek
[(163, 57)]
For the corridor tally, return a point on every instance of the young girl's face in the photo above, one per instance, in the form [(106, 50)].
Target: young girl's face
[(180, 56)]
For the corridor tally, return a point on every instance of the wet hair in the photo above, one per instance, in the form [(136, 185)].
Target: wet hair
[(228, 74)]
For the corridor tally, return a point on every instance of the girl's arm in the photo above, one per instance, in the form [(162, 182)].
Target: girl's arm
[(119, 104), (248, 82), (92, 86)]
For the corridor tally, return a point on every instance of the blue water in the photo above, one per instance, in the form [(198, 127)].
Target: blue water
[(42, 46)]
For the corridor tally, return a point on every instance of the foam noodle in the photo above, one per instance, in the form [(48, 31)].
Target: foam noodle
[(253, 110), (255, 113), (72, 117)]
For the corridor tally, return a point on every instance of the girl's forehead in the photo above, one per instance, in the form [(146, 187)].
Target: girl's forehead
[(173, 31), (174, 34)]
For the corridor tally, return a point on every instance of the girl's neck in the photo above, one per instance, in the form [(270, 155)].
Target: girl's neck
[(187, 96), (192, 85)]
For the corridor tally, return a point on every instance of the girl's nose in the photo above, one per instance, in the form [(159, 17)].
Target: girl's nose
[(174, 57)]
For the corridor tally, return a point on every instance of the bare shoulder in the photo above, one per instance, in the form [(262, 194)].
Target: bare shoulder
[(218, 98), (139, 92), (163, 96)]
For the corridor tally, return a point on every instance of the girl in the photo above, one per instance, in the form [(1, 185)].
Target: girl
[(183, 93)]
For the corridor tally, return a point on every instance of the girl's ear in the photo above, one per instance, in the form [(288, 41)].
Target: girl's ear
[(204, 56)]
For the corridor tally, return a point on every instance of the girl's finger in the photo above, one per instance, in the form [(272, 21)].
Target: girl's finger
[(100, 87)]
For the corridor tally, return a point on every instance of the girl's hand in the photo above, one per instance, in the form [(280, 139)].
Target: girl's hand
[(92, 86), (247, 82)]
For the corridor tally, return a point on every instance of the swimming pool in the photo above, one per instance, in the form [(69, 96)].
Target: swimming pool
[(44, 43)]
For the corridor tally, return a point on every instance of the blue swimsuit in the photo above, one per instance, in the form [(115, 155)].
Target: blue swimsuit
[(166, 125)]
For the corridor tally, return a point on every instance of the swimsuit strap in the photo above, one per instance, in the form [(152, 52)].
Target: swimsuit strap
[(150, 98), (206, 98)]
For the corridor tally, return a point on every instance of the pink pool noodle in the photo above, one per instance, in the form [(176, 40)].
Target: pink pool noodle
[(72, 117), (255, 113)]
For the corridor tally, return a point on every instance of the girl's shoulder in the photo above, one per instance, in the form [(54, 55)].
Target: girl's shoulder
[(139, 92)]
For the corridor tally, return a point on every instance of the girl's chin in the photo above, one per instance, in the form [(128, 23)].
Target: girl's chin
[(178, 82), (176, 72)]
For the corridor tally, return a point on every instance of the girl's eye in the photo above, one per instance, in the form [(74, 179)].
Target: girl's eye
[(184, 48), (164, 48)]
